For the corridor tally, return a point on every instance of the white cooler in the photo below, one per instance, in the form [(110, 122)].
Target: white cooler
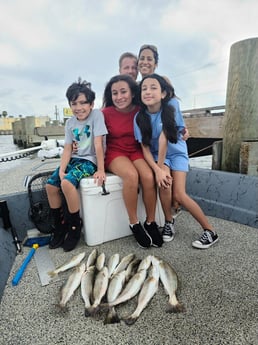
[(103, 212)]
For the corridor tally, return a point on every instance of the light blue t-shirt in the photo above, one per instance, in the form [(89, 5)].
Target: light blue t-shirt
[(177, 154), (84, 132)]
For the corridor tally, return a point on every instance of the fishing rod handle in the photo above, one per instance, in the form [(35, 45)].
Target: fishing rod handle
[(4, 212)]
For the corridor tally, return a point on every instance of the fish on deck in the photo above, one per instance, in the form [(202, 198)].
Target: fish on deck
[(76, 260), (71, 285), (99, 289), (115, 287), (131, 289), (148, 290), (169, 280), (87, 282)]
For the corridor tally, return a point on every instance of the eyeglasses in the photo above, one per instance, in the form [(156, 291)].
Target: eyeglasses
[(149, 46)]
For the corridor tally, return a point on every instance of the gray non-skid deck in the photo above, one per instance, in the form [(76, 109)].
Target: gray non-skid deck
[(218, 289)]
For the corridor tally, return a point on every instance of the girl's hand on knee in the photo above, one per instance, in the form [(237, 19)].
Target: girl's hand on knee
[(167, 183), (163, 179)]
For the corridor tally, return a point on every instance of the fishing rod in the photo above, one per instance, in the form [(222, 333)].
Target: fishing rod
[(4, 212)]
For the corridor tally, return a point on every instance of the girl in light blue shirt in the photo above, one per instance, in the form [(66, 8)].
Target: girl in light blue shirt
[(159, 127)]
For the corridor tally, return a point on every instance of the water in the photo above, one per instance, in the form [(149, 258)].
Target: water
[(7, 145)]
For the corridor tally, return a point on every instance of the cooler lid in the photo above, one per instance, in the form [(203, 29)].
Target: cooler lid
[(88, 182)]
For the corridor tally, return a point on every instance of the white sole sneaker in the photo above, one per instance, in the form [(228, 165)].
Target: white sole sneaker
[(168, 239), (199, 245)]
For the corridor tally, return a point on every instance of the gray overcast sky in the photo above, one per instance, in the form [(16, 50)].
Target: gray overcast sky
[(46, 45)]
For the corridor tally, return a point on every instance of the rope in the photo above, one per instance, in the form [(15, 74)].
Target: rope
[(203, 149)]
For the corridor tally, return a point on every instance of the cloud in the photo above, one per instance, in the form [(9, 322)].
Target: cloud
[(46, 45)]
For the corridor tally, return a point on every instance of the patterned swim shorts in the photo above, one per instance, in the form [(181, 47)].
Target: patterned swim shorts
[(75, 171)]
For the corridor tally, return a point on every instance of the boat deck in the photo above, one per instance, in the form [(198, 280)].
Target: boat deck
[(218, 289)]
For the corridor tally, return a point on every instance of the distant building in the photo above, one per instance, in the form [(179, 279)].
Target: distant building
[(6, 124)]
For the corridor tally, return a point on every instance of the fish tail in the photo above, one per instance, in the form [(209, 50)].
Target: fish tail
[(62, 307), (130, 320), (96, 309), (87, 312), (175, 308), (52, 274), (91, 311), (104, 306), (112, 317)]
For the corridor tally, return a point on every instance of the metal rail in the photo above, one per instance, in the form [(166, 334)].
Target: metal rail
[(10, 156)]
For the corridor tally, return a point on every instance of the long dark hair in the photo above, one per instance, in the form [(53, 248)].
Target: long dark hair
[(107, 96), (167, 113)]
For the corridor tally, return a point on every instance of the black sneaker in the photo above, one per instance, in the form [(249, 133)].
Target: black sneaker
[(207, 239), (168, 232), (153, 230), (72, 238), (58, 236), (142, 237)]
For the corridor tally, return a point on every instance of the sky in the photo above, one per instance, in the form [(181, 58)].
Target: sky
[(46, 45)]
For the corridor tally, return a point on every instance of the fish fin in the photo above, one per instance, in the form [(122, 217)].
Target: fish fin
[(130, 320), (87, 312), (62, 308), (177, 308), (90, 311), (93, 310), (104, 306), (96, 310), (112, 317), (52, 274)]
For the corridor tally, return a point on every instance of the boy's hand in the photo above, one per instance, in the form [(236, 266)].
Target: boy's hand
[(99, 177), (61, 174)]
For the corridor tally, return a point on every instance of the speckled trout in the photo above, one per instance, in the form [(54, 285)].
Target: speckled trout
[(112, 263), (115, 286), (131, 289), (169, 280), (124, 263), (69, 264), (92, 258), (87, 288), (100, 262), (99, 289), (71, 285), (148, 290)]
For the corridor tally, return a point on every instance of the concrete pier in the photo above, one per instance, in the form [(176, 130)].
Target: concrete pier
[(241, 115)]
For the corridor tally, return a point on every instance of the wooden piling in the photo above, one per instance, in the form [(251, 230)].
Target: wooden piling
[(241, 114)]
